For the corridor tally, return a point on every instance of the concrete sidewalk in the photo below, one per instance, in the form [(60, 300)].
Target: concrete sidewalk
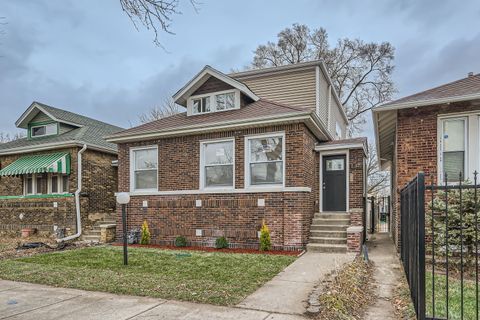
[(387, 275), (39, 302), (288, 291)]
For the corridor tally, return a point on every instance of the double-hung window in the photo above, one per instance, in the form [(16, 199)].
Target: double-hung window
[(265, 157), (214, 102), (453, 148), (144, 169), (217, 164)]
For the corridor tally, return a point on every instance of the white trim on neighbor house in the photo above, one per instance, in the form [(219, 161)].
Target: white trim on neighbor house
[(46, 134), (222, 191), (213, 104), (311, 120), (202, 76), (472, 142), (202, 164), (247, 176), (428, 102), (132, 168), (333, 152), (55, 145)]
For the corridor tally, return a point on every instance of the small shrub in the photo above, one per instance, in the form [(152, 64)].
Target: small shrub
[(145, 239), (180, 241), (221, 243), (265, 242)]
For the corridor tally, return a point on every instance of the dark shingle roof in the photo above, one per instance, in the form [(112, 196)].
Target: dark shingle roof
[(463, 87), (90, 131), (253, 111)]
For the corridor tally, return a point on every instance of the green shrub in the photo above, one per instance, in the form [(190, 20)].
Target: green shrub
[(145, 239), (180, 241), (265, 242), (221, 243)]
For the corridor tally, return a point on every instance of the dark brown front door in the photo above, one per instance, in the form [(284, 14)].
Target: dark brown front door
[(334, 183)]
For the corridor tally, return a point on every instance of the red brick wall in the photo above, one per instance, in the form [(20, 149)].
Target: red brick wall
[(237, 216), (356, 182), (416, 148)]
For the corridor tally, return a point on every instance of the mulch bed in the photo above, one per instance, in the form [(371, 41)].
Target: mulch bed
[(209, 249)]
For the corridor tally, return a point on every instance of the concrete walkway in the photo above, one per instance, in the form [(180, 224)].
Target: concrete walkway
[(288, 291), (387, 274), (38, 302)]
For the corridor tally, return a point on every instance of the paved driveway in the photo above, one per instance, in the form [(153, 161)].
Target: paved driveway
[(38, 302)]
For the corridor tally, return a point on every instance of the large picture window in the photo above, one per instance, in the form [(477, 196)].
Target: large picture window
[(265, 158), (144, 169), (217, 164), (453, 148)]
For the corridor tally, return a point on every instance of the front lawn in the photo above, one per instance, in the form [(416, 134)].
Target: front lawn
[(454, 297), (215, 278)]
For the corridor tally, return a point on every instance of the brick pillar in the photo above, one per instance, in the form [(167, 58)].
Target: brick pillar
[(354, 239)]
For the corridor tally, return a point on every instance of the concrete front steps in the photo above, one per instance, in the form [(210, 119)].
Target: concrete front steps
[(94, 235), (328, 232)]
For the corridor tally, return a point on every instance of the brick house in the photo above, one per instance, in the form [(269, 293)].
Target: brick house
[(39, 173), (251, 146), (436, 131)]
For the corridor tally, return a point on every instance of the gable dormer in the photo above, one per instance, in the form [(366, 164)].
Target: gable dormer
[(40, 123), (212, 91)]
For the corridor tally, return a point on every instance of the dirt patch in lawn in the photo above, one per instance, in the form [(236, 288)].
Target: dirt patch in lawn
[(10, 246), (346, 293), (208, 249), (402, 302)]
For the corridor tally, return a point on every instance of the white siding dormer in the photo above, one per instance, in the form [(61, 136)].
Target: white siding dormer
[(213, 102)]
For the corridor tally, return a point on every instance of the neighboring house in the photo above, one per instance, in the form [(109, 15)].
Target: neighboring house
[(39, 173), (435, 131), (252, 146)]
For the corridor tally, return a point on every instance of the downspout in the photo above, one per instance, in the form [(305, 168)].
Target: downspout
[(77, 197)]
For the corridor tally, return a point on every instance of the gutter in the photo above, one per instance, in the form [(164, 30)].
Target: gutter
[(55, 145), (77, 197)]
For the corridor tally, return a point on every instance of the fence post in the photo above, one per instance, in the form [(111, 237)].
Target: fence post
[(421, 244)]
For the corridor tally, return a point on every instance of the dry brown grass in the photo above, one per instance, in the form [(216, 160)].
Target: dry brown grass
[(349, 293)]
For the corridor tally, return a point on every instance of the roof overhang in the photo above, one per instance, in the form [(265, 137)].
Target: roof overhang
[(427, 102), (186, 91), (56, 145), (385, 127), (310, 119), (343, 146), (32, 111)]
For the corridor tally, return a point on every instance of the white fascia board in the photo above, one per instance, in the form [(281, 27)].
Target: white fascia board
[(217, 74), (53, 145), (429, 102), (341, 146), (227, 125), (377, 136)]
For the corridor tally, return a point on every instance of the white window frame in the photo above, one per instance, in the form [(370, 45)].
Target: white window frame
[(132, 168), (213, 103), (202, 164), (34, 184), (248, 184), (46, 134), (59, 183), (440, 144)]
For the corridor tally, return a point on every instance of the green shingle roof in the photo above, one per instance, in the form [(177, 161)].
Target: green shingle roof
[(89, 131)]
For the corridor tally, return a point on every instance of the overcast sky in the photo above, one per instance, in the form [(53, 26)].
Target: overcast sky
[(86, 56)]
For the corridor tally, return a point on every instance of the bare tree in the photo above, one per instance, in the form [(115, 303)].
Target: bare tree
[(6, 137), (167, 109), (361, 72), (154, 15), (378, 181)]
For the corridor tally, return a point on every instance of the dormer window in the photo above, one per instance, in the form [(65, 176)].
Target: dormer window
[(201, 105), (214, 102), (43, 130)]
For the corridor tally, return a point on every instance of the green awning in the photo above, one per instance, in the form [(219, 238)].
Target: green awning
[(54, 162)]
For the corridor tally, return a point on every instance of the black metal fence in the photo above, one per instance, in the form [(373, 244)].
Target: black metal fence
[(439, 234), (379, 213), (412, 208)]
